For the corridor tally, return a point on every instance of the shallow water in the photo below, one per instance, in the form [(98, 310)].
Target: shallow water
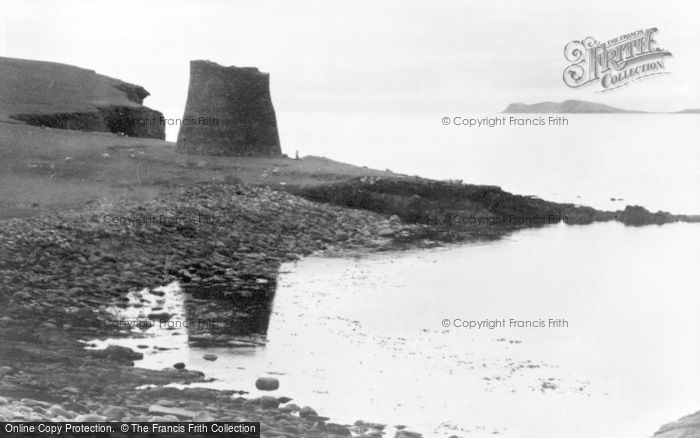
[(363, 337)]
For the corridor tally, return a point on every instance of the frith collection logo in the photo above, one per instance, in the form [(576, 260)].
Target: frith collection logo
[(616, 62)]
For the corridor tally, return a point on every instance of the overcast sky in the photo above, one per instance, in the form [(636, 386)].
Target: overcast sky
[(467, 56)]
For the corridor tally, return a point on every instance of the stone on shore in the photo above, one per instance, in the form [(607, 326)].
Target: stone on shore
[(203, 417), (268, 402), (32, 402), (210, 357), (407, 434), (267, 383), (169, 410), (5, 371), (57, 410), (290, 408), (158, 253), (370, 425), (307, 412), (117, 353), (90, 418), (336, 429), (114, 412), (386, 232)]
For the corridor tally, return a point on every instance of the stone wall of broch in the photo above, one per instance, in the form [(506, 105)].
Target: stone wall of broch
[(228, 112)]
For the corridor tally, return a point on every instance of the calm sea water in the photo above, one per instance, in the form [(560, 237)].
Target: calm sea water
[(647, 159), (363, 337)]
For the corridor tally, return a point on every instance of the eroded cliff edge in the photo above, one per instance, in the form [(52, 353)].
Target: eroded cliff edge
[(62, 96)]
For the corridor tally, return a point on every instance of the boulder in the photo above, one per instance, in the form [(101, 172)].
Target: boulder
[(90, 418), (114, 413), (203, 417), (307, 412), (156, 409), (290, 408), (267, 383), (370, 425), (407, 434), (5, 371), (117, 353), (336, 429), (268, 402), (57, 410)]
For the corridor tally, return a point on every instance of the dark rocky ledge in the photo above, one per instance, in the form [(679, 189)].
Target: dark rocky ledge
[(636, 215), (419, 200), (134, 93), (125, 120)]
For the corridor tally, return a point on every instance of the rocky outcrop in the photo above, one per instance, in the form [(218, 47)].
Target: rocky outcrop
[(453, 204), (134, 122), (63, 96), (433, 202), (637, 215), (228, 112), (124, 120), (134, 93)]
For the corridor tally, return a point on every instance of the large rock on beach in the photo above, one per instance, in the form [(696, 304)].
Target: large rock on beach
[(117, 353), (267, 383)]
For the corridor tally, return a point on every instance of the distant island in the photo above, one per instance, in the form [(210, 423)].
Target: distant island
[(578, 106)]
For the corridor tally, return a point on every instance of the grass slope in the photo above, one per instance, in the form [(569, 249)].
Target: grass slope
[(46, 169), (40, 87)]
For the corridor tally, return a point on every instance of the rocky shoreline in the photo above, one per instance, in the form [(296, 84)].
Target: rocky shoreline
[(456, 205), (61, 273)]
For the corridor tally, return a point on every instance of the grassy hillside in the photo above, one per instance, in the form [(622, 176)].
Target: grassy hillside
[(66, 97), (48, 87), (46, 169)]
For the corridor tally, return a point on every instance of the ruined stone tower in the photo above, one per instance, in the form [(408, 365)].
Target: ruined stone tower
[(228, 112)]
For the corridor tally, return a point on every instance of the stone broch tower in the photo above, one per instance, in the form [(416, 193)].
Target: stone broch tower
[(228, 112)]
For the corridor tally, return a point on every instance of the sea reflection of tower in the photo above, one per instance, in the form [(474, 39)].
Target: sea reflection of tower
[(231, 315)]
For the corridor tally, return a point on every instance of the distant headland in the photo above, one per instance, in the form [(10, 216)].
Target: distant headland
[(579, 106)]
